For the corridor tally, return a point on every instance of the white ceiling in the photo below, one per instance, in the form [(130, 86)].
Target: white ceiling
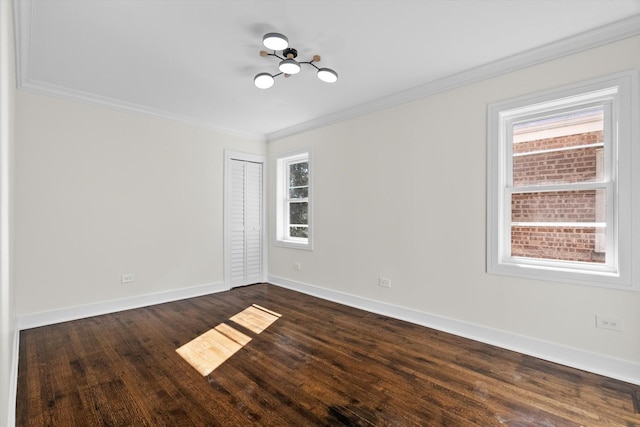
[(194, 60)]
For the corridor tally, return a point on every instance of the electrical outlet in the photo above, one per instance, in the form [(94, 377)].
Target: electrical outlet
[(297, 266), (128, 278), (384, 282), (609, 322)]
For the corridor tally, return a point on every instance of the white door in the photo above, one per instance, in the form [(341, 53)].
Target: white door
[(244, 245)]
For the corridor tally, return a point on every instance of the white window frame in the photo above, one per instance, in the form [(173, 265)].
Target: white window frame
[(619, 95), (282, 237)]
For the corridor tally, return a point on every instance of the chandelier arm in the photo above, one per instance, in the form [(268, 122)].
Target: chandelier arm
[(276, 55), (311, 63)]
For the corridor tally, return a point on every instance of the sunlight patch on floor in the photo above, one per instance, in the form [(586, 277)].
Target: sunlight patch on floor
[(211, 349), (255, 318)]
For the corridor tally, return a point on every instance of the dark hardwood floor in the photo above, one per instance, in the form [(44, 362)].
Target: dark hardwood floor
[(320, 363)]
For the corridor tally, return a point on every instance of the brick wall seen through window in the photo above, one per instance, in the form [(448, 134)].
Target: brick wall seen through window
[(543, 223)]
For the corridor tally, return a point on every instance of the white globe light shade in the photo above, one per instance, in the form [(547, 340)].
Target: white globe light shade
[(327, 75), (263, 80), (275, 41), (289, 66)]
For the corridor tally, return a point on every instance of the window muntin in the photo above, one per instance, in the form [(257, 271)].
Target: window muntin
[(293, 206), (559, 186)]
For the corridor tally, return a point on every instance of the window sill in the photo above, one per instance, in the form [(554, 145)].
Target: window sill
[(603, 279), (293, 244)]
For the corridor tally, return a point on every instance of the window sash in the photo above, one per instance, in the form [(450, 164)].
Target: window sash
[(288, 201), (508, 189)]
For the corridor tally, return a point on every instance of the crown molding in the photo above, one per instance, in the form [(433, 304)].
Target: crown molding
[(22, 20), (597, 37), (22, 39), (119, 105)]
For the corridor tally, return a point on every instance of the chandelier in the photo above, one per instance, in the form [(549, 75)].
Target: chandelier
[(288, 65)]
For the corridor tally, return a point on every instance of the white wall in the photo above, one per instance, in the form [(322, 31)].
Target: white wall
[(102, 192), (7, 314), (401, 193)]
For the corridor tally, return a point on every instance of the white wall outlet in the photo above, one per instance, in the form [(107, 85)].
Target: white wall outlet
[(128, 277), (297, 266), (608, 322), (385, 282)]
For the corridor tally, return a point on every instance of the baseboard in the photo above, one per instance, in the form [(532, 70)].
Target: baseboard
[(591, 362), (13, 380), (35, 320)]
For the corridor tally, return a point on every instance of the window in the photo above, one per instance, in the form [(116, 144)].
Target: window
[(561, 184), (293, 225)]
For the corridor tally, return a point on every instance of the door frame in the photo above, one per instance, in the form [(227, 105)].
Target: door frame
[(229, 156)]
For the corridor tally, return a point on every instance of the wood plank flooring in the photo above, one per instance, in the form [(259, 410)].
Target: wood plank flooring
[(316, 363)]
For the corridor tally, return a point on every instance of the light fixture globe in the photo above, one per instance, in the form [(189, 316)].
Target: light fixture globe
[(275, 41), (263, 80), (327, 75), (289, 66)]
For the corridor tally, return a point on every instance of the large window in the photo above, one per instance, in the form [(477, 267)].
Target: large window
[(561, 185), (293, 224)]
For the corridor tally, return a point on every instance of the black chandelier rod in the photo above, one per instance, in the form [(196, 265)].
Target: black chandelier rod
[(276, 55), (310, 63)]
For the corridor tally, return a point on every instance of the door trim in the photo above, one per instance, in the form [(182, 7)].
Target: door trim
[(230, 155)]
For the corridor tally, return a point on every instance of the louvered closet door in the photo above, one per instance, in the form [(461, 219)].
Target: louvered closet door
[(246, 223)]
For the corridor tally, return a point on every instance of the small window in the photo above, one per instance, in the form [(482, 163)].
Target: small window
[(560, 185), (293, 225)]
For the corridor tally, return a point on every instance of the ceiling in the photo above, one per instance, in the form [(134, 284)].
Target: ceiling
[(194, 60)]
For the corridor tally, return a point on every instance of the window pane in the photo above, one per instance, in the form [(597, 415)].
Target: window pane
[(299, 232), (559, 206), (299, 193), (584, 244), (571, 129), (299, 174), (559, 167), (561, 149), (298, 213)]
